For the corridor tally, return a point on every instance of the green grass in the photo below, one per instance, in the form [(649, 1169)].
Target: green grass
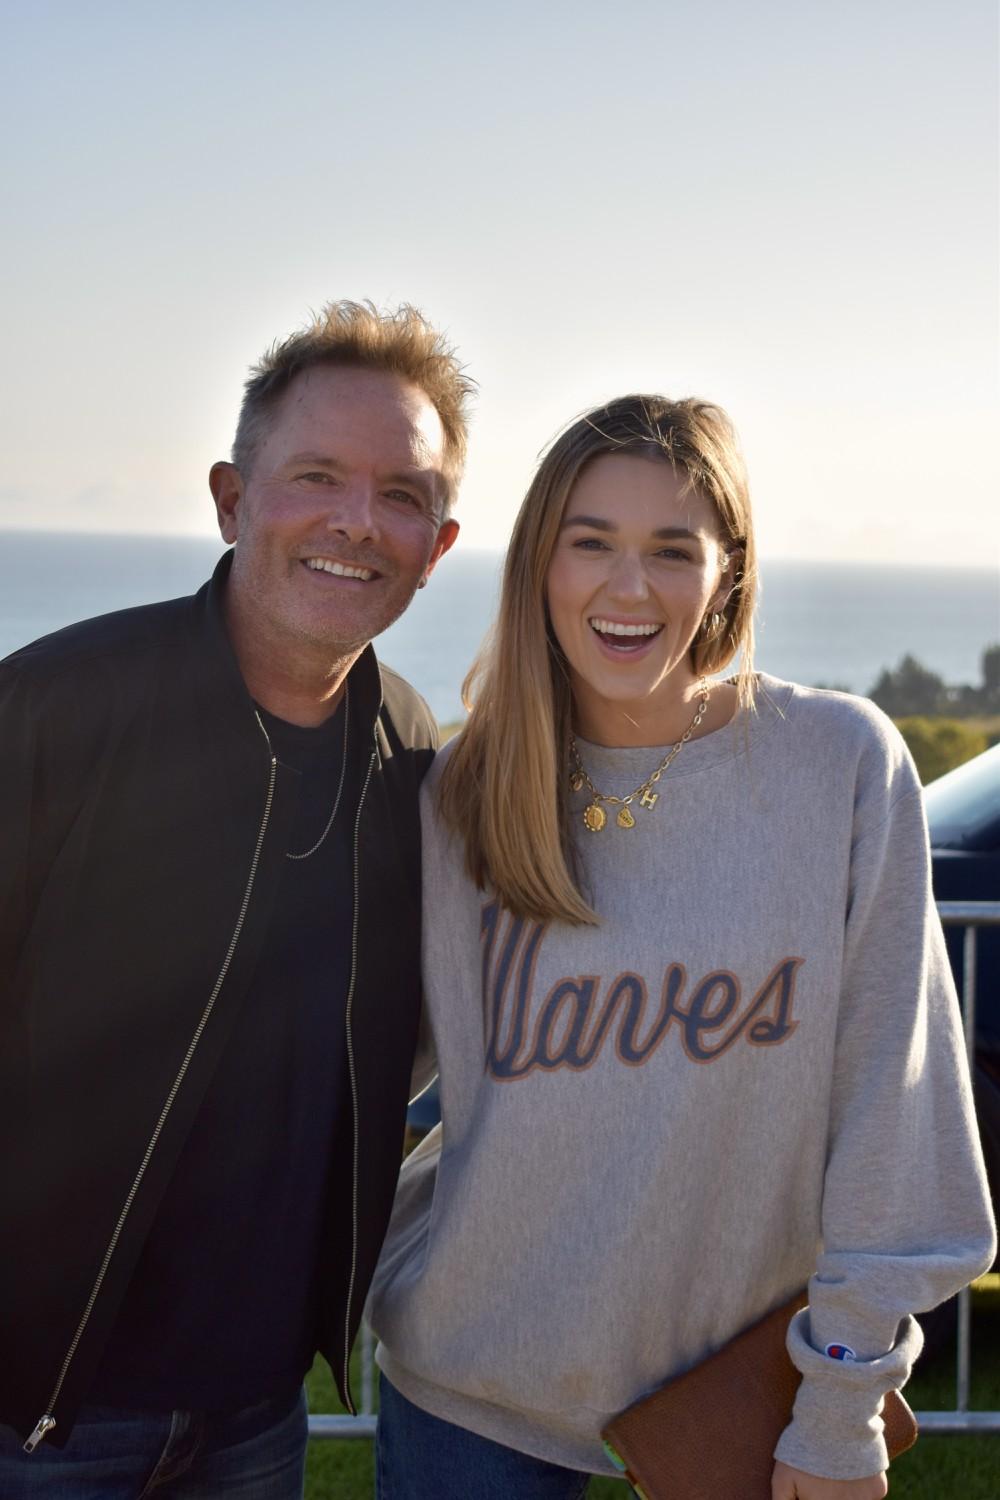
[(938, 1468), (337, 1469)]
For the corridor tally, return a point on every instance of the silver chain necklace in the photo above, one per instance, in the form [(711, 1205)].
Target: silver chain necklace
[(340, 784)]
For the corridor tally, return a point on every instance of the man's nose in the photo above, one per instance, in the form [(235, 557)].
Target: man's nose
[(353, 513)]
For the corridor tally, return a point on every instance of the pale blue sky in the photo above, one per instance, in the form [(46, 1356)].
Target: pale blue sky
[(789, 208)]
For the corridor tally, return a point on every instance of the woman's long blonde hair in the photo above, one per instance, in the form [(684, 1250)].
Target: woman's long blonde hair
[(505, 788)]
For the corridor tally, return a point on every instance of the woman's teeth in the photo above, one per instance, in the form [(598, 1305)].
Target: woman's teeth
[(622, 636), (609, 627)]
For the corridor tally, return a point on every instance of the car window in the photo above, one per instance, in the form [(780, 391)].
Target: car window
[(963, 806)]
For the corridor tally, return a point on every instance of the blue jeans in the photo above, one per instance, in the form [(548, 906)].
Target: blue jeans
[(257, 1453), (419, 1457)]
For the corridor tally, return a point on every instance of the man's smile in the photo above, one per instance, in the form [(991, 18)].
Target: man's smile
[(341, 570)]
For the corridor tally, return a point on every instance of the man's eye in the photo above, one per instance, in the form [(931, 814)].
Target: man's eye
[(317, 477), (405, 496)]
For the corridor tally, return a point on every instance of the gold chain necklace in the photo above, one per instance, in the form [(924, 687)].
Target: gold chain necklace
[(594, 816)]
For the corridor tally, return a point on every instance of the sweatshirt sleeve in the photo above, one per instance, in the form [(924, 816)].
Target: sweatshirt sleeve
[(906, 1217), (425, 1067)]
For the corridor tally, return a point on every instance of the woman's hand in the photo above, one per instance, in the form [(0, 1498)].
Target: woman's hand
[(792, 1484)]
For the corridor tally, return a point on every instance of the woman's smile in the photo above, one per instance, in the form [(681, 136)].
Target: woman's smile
[(628, 639)]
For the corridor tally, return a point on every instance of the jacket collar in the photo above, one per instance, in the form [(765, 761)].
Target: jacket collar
[(365, 676)]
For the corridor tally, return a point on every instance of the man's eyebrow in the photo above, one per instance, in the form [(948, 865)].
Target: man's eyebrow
[(661, 534), (322, 460), (423, 480), (420, 479)]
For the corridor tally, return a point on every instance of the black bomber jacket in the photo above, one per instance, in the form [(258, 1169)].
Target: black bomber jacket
[(143, 822)]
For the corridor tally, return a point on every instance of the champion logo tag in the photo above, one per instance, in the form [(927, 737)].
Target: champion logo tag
[(840, 1351)]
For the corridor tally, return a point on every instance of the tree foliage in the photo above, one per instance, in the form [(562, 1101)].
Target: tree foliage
[(939, 745), (912, 689)]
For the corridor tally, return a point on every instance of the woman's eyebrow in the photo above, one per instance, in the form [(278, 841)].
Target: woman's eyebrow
[(596, 523), (661, 534)]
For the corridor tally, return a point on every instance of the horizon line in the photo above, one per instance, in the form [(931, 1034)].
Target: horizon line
[(498, 551)]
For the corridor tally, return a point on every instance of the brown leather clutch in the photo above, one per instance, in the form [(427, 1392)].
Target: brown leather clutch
[(711, 1433)]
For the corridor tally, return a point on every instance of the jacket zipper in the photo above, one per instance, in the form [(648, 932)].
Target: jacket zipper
[(46, 1423), (352, 1075)]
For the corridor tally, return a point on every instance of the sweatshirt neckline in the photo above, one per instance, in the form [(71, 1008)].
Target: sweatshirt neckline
[(747, 727)]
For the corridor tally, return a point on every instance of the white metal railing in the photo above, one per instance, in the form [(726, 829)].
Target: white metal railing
[(968, 914), (363, 1425), (971, 915)]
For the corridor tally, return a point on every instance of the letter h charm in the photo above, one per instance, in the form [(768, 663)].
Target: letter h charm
[(649, 798)]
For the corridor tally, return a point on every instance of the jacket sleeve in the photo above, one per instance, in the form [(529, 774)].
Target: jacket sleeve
[(906, 1218), (17, 775)]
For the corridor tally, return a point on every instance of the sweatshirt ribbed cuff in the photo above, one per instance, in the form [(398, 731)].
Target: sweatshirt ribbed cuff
[(836, 1429)]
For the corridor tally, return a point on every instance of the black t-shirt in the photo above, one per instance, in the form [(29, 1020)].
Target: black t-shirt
[(222, 1307)]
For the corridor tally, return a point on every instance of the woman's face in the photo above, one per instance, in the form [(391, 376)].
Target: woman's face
[(637, 565)]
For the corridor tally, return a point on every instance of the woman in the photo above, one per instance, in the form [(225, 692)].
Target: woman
[(696, 1034)]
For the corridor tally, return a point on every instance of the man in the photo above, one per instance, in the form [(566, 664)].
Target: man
[(209, 946)]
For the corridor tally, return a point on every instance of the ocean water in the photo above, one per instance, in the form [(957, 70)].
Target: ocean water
[(827, 623)]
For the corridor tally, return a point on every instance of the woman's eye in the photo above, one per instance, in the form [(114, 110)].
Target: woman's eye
[(674, 554), (590, 544)]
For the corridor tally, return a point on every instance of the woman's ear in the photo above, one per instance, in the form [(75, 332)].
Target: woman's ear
[(731, 572)]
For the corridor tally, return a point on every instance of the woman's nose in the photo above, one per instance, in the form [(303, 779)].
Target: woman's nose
[(628, 578)]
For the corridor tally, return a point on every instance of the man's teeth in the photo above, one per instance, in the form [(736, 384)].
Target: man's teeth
[(608, 627), (323, 565)]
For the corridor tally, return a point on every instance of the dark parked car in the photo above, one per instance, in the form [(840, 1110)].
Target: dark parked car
[(963, 814)]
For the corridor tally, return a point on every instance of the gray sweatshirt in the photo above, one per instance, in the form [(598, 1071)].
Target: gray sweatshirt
[(748, 1076)]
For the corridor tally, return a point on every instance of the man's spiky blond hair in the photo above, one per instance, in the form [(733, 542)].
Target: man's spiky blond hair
[(355, 335)]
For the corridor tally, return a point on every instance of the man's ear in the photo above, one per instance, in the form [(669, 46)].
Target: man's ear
[(447, 532), (226, 484)]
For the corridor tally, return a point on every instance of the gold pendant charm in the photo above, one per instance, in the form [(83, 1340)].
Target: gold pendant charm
[(649, 799), (595, 817), (625, 819), (576, 782)]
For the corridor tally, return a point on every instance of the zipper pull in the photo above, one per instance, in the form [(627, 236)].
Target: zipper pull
[(43, 1428)]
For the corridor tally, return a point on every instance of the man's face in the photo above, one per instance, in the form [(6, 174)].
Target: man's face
[(341, 515)]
